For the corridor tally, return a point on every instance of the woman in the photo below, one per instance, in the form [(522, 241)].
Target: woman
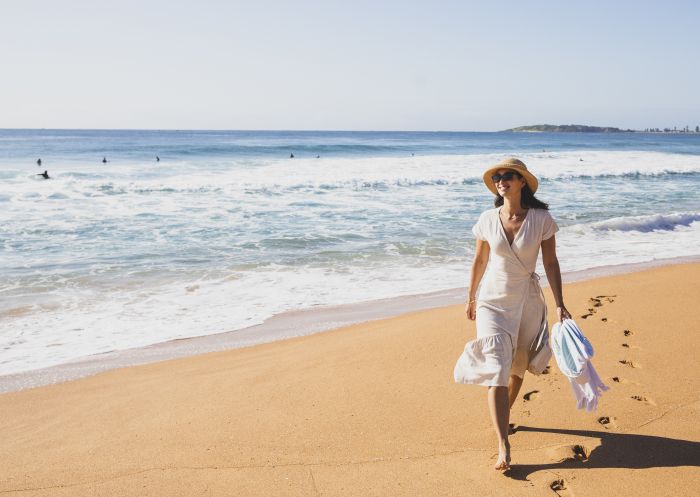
[(510, 310)]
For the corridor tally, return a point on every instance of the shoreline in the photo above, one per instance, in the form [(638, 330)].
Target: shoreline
[(283, 326)]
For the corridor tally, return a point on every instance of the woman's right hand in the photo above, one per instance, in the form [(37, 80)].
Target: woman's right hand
[(471, 310)]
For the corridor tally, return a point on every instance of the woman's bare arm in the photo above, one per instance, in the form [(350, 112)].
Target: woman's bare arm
[(551, 268), (481, 260)]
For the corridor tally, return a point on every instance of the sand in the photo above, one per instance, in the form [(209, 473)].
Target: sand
[(372, 410)]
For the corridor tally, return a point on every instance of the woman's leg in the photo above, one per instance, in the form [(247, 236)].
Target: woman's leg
[(500, 411), (530, 325), (514, 385)]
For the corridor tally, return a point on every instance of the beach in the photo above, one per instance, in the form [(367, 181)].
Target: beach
[(240, 247), (372, 409)]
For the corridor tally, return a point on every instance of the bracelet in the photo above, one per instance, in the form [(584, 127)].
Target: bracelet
[(471, 301)]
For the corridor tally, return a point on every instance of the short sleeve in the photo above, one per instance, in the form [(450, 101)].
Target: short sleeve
[(478, 229), (549, 226)]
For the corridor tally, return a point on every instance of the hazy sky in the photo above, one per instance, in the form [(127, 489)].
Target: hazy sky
[(393, 65)]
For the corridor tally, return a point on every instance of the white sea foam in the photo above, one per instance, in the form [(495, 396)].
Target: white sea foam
[(353, 173), (101, 259), (628, 240), (655, 222), (90, 320)]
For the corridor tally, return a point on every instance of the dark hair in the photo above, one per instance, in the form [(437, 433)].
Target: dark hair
[(527, 199)]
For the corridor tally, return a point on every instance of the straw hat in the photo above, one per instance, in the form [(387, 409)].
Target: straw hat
[(515, 165)]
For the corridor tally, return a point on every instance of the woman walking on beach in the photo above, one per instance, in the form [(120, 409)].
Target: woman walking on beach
[(510, 310)]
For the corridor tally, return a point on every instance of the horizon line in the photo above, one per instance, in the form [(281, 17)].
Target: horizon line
[(309, 130)]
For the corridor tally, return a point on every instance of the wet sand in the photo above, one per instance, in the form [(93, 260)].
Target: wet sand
[(372, 410)]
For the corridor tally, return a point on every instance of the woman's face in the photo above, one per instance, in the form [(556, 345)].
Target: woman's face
[(506, 187)]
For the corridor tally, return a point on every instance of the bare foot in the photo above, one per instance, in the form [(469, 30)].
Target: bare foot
[(503, 462)]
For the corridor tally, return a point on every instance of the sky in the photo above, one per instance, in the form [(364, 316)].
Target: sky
[(360, 65)]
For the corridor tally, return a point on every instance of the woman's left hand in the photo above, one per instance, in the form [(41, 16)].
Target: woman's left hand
[(563, 314)]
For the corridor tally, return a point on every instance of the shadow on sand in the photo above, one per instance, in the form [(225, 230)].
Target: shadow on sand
[(619, 450)]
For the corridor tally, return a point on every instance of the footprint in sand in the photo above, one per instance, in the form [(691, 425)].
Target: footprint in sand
[(601, 300), (607, 422), (628, 333), (629, 363), (646, 400), (531, 395), (568, 453), (598, 301), (617, 379), (559, 487), (607, 298)]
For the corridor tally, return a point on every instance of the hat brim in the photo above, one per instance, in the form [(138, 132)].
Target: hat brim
[(530, 178)]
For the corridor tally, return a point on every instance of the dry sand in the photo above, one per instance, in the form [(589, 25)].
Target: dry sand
[(372, 410)]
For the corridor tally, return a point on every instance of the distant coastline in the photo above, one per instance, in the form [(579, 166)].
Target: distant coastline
[(580, 128), (568, 128)]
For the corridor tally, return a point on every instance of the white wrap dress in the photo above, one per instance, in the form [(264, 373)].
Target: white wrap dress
[(510, 309)]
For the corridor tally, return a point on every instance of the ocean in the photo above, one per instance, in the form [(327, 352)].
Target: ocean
[(227, 230)]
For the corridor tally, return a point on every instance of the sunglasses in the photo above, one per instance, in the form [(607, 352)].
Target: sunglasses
[(507, 176)]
